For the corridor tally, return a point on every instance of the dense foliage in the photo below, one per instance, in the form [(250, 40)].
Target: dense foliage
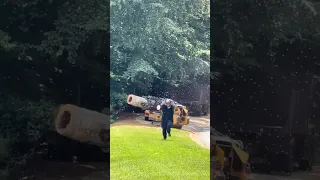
[(265, 54), (52, 52), (55, 52), (248, 33), (277, 38), (157, 40)]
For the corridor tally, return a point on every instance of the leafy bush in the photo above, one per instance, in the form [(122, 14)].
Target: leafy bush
[(4, 174), (118, 102), (3, 150), (23, 123), (4, 154)]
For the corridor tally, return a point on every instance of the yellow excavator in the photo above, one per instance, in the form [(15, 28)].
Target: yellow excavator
[(151, 106)]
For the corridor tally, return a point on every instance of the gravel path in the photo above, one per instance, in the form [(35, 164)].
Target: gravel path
[(200, 128), (198, 124)]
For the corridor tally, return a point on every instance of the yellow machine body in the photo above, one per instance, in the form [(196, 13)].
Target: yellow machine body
[(235, 161), (180, 116), (217, 163)]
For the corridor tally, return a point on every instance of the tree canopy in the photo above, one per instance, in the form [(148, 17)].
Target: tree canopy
[(52, 53), (250, 32), (56, 52), (262, 53), (156, 40)]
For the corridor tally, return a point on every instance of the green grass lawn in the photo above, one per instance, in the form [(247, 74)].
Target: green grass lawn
[(140, 153)]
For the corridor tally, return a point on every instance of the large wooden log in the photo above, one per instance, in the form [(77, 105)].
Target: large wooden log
[(147, 102), (137, 101), (83, 125)]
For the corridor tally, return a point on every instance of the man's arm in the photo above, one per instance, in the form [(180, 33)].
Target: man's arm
[(161, 109), (172, 109)]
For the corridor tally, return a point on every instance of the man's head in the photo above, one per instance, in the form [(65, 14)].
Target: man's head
[(168, 102)]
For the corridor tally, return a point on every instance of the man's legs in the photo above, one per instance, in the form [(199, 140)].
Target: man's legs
[(164, 130), (169, 127)]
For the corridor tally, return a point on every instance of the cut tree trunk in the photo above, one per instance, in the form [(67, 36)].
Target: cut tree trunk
[(83, 125)]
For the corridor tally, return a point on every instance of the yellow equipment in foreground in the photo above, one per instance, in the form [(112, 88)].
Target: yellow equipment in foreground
[(217, 163), (229, 160), (152, 112)]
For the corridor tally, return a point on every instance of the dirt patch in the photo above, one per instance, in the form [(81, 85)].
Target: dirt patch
[(129, 119), (134, 119), (197, 124), (128, 116)]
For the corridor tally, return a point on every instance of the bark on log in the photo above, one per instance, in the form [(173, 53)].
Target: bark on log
[(137, 101), (83, 125), (147, 102)]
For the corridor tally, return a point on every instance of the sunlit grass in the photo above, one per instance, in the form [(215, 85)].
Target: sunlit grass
[(140, 153)]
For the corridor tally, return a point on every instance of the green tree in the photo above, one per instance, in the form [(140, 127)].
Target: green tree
[(157, 40), (246, 33), (52, 52)]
